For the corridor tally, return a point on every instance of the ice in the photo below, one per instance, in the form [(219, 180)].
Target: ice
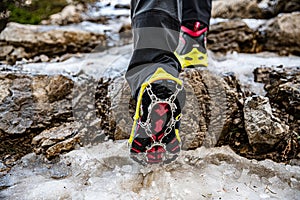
[(243, 64), (252, 23), (113, 63), (105, 171)]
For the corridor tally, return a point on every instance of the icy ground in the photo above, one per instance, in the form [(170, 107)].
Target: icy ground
[(106, 172), (113, 62)]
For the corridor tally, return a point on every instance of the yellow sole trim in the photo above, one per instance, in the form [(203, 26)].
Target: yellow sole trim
[(194, 58)]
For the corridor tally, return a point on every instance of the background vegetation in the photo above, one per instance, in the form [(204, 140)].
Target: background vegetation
[(33, 11)]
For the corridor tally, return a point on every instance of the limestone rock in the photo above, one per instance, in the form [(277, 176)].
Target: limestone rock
[(236, 9), (258, 9), (232, 35), (281, 34), (272, 8), (282, 86), (56, 140), (204, 115), (31, 40), (262, 74), (264, 130), (70, 14), (29, 104), (283, 89)]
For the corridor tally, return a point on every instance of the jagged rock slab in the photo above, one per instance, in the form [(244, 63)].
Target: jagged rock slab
[(31, 40), (281, 34), (264, 130), (29, 104), (211, 102), (282, 86), (232, 35)]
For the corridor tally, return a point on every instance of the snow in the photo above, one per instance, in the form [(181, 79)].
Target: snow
[(105, 171)]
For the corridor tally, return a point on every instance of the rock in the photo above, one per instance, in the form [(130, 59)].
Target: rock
[(5, 50), (69, 15), (29, 104), (123, 5), (236, 9), (283, 90), (287, 7), (44, 58), (32, 40), (282, 86), (232, 35), (204, 115), (272, 8), (281, 34), (262, 74), (3, 168), (259, 9), (233, 132), (264, 130), (56, 140), (4, 15), (51, 114)]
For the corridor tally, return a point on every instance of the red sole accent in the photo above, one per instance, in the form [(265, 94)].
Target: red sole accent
[(159, 125), (156, 154), (162, 110), (137, 143), (133, 149), (162, 135), (174, 140), (175, 148)]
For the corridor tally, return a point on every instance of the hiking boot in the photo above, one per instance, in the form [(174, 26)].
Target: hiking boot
[(155, 132), (191, 51)]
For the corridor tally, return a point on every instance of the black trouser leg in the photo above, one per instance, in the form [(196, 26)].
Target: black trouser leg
[(156, 26), (196, 10)]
